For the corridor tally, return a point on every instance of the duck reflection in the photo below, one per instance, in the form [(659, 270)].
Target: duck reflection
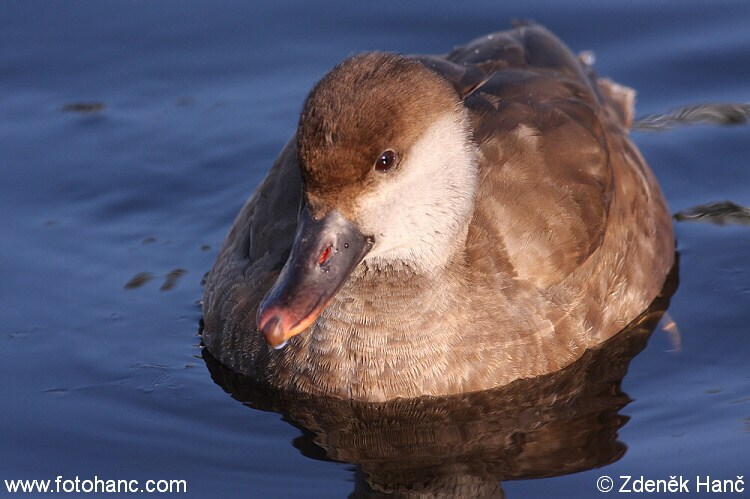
[(466, 445)]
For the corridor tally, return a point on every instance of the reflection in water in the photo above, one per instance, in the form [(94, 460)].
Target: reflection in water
[(465, 445)]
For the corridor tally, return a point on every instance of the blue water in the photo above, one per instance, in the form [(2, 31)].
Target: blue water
[(198, 97)]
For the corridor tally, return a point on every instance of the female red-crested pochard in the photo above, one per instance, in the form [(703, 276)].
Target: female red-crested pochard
[(441, 225)]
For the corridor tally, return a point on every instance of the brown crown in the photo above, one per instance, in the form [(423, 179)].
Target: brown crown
[(365, 105)]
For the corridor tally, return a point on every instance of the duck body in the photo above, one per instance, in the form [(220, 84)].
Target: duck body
[(471, 219)]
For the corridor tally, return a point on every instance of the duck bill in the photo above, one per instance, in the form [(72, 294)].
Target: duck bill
[(324, 254)]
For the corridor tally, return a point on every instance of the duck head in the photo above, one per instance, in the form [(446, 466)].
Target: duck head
[(389, 169)]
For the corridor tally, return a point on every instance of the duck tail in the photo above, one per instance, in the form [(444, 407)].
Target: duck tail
[(621, 99)]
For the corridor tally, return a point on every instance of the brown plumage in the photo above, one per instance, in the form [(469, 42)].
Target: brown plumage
[(565, 238), (461, 446)]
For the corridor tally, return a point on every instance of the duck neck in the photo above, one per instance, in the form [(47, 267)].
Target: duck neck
[(396, 297), (391, 331)]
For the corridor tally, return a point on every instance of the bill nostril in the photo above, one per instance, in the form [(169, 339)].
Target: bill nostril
[(325, 255)]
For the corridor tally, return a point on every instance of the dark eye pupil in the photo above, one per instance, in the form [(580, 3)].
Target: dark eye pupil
[(386, 161)]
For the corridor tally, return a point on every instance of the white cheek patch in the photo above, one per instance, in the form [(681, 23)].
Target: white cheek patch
[(419, 213)]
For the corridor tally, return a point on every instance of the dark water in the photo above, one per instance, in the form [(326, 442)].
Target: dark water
[(132, 132)]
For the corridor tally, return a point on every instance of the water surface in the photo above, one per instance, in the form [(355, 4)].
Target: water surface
[(132, 132)]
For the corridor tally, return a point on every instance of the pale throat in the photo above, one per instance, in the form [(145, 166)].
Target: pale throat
[(419, 215)]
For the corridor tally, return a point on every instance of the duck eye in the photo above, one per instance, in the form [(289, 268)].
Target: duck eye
[(386, 161)]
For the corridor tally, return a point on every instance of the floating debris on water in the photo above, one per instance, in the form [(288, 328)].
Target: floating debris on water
[(138, 280), (697, 114), (588, 57), (171, 279), (83, 107), (719, 212)]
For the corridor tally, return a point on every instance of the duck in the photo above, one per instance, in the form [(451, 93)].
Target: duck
[(440, 225)]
